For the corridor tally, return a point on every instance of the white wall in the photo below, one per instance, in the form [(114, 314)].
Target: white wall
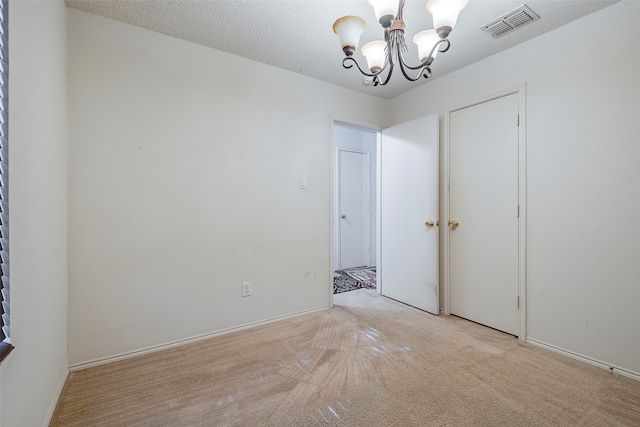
[(185, 165), (364, 140), (583, 157), (33, 374)]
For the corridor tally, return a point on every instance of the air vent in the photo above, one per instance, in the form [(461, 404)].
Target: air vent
[(511, 21)]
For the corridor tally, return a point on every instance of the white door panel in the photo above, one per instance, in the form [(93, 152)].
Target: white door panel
[(408, 268), (483, 249), (353, 221)]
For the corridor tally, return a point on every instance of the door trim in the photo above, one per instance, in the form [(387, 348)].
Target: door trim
[(366, 126), (522, 202)]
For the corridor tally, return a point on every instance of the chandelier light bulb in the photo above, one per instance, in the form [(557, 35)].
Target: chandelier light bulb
[(385, 11), (445, 14), (426, 40), (375, 54), (349, 28)]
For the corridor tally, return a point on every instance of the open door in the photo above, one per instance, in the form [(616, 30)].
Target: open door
[(408, 265)]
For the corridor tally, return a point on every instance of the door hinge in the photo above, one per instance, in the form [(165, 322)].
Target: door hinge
[(518, 211), (518, 120), (518, 302)]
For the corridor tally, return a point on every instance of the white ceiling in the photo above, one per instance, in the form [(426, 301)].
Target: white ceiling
[(297, 35)]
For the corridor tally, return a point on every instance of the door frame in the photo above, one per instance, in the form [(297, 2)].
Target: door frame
[(333, 183), (337, 211), (522, 202)]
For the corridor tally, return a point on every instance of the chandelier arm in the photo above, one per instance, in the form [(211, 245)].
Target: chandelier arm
[(349, 58), (429, 60), (376, 80), (425, 71), (440, 44)]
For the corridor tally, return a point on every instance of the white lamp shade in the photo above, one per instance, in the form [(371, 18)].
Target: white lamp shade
[(348, 29), (426, 40), (445, 12), (384, 7), (375, 54)]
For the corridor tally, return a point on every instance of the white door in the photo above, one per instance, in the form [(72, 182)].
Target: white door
[(353, 208), (408, 268), (483, 249)]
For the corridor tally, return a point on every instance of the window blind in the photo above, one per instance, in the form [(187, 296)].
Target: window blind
[(5, 340)]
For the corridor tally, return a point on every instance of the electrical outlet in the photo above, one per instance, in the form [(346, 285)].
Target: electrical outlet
[(246, 289)]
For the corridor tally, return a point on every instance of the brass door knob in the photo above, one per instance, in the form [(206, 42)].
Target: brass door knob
[(343, 216), (430, 224), (454, 224)]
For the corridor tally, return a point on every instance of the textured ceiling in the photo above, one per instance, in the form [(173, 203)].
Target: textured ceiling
[(296, 34)]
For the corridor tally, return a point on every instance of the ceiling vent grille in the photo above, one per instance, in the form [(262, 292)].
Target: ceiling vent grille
[(511, 21)]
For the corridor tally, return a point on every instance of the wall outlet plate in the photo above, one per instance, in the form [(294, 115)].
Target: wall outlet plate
[(246, 289)]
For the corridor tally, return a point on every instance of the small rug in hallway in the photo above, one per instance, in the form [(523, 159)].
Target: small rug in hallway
[(351, 279)]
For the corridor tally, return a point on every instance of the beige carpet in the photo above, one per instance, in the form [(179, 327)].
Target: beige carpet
[(368, 362)]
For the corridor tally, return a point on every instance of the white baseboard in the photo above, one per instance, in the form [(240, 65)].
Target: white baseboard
[(54, 402), (607, 366), (129, 355)]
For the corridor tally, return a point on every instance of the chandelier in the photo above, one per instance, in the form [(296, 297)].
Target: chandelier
[(383, 55)]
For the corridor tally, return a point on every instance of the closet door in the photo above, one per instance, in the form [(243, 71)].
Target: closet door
[(483, 213)]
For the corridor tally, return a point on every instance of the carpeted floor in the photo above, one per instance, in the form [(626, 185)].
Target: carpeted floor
[(370, 361)]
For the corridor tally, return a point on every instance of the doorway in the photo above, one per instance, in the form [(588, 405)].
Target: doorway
[(354, 214), (485, 201), (406, 230)]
